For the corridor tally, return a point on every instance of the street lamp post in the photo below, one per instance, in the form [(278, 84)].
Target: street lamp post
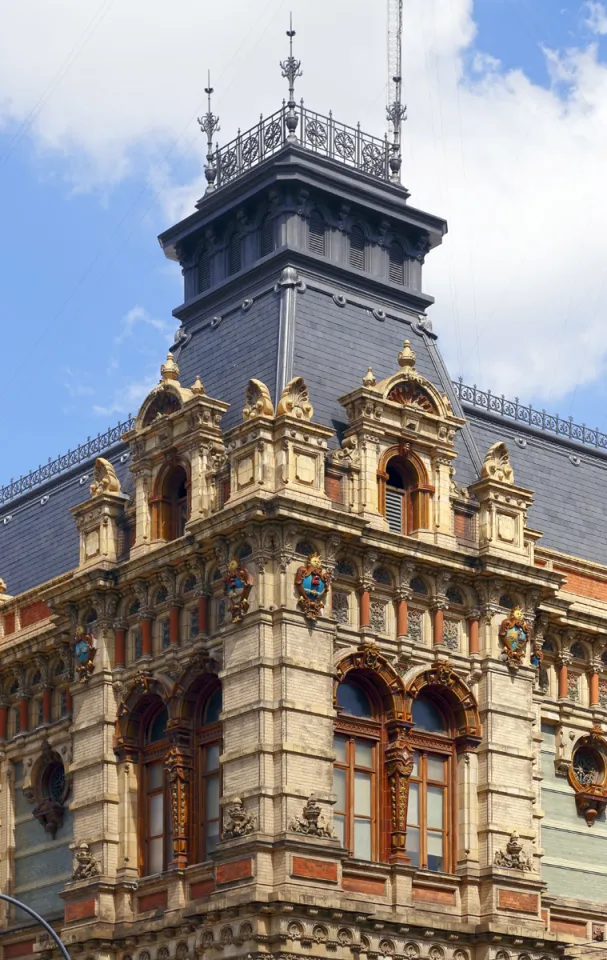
[(38, 919)]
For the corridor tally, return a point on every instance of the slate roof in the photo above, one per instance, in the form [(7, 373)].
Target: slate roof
[(333, 346)]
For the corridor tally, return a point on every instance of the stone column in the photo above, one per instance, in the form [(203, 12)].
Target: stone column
[(46, 705), (593, 682), (365, 608), (174, 622), (3, 720), (438, 620), (473, 624), (402, 615), (563, 674), (120, 628)]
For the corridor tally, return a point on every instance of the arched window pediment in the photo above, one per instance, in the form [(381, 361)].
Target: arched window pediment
[(413, 394), (161, 404)]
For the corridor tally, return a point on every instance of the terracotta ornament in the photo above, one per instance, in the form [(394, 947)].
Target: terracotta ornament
[(237, 585), (84, 654), (514, 634), (312, 583)]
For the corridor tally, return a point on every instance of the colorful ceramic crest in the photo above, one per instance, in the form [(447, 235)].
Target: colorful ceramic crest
[(237, 587), (514, 634), (312, 583), (84, 654)]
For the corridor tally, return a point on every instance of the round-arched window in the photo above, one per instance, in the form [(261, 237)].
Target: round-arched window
[(353, 700), (55, 782), (588, 766)]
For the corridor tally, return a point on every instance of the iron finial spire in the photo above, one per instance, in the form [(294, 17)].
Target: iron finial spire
[(291, 70), (396, 111), (209, 124)]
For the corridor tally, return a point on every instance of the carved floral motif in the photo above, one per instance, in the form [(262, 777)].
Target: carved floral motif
[(105, 479), (513, 856), (86, 866), (311, 823), (497, 464), (238, 822)]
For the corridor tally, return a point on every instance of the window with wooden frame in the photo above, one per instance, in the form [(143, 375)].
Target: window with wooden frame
[(359, 743), (154, 812), (170, 505), (403, 497), (432, 795), (208, 776)]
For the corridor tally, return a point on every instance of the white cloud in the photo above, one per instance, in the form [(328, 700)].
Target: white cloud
[(517, 169), (597, 17), (139, 315), (126, 399)]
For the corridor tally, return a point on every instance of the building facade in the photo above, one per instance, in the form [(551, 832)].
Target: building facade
[(306, 659)]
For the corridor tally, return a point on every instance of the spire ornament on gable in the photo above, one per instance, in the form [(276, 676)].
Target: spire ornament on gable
[(209, 124), (291, 70)]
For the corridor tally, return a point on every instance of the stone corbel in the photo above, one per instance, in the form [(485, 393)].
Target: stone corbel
[(398, 762)]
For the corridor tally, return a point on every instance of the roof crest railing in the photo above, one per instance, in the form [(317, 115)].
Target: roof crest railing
[(526, 414), (92, 448), (313, 131)]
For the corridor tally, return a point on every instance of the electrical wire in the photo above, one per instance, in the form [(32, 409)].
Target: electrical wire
[(64, 69)]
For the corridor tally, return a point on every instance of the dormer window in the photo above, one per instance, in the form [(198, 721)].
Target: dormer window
[(170, 509), (404, 495)]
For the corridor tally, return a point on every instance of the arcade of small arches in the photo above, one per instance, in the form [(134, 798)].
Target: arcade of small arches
[(574, 670), (393, 737)]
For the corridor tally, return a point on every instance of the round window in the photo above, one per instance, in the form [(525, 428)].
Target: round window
[(55, 783), (588, 767)]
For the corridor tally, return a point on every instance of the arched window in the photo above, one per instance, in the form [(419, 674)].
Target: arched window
[(208, 739), (204, 271), (235, 253), (316, 233), (266, 235), (403, 499), (397, 263), (430, 826), (154, 810), (357, 247), (358, 747), (170, 507)]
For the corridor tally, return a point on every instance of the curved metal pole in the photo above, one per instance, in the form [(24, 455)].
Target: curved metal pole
[(38, 919)]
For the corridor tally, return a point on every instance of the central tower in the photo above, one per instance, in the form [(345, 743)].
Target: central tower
[(303, 258)]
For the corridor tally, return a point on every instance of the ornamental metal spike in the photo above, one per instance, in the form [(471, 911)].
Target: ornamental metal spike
[(209, 124), (291, 70), (396, 111)]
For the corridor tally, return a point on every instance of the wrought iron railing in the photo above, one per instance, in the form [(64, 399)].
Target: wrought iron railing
[(85, 451), (317, 133), (525, 413)]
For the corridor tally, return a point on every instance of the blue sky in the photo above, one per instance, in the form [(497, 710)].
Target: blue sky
[(95, 160)]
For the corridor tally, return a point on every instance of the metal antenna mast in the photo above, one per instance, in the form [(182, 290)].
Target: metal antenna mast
[(396, 110)]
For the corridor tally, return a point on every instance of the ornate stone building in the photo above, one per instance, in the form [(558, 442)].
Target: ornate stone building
[(306, 660)]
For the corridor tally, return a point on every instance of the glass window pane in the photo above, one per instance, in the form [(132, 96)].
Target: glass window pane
[(159, 726), (362, 839), (339, 787), (156, 856), (362, 793), (427, 717), (212, 757), (413, 809), (339, 824), (212, 798), (413, 845), (435, 851), (364, 753), (212, 838), (353, 700), (435, 807), (156, 813), (213, 707), (155, 776), (436, 768), (339, 745), (415, 772)]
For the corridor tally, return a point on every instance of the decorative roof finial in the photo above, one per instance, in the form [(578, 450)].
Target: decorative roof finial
[(169, 370), (369, 378), (396, 111), (209, 124), (406, 357), (291, 70)]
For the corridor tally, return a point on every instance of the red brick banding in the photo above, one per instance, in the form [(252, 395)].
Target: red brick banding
[(235, 870), (314, 869)]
